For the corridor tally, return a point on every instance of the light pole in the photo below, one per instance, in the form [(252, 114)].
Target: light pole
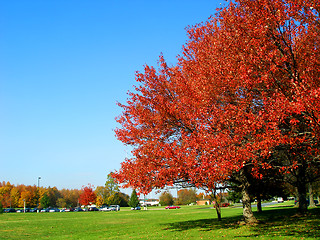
[(39, 181), (38, 192)]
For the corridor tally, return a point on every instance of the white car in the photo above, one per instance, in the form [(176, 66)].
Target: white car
[(116, 207), (280, 200), (107, 209)]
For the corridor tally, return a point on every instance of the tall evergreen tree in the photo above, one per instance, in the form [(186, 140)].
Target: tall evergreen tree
[(134, 201)]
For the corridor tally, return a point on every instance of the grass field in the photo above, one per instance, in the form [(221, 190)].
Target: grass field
[(189, 222)]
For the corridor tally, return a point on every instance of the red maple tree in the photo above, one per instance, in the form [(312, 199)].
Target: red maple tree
[(87, 195), (245, 91)]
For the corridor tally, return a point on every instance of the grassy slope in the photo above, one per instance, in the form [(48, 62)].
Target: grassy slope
[(189, 222)]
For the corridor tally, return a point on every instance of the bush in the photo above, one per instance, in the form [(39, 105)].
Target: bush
[(166, 198)]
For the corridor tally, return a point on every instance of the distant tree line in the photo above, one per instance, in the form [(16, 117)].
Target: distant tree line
[(14, 196)]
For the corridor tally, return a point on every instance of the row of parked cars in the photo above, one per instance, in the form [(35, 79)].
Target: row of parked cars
[(77, 209), (10, 210)]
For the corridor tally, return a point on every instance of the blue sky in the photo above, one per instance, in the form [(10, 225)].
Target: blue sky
[(63, 67)]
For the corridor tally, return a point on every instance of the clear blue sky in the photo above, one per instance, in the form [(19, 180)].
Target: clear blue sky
[(63, 67)]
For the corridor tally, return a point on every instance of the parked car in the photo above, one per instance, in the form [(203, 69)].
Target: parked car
[(172, 207), (35, 209), (23, 210), (106, 209), (78, 209), (116, 207), (225, 204), (69, 210), (280, 200), (93, 209), (136, 208), (52, 210), (8, 210)]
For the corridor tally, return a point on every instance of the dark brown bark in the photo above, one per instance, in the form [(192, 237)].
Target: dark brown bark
[(302, 196), (311, 200), (217, 201), (297, 198), (259, 206), (302, 189), (218, 210), (249, 218)]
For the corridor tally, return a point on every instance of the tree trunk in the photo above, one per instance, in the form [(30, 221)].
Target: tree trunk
[(248, 216), (247, 210), (259, 206), (218, 209), (302, 188), (302, 195), (311, 200), (296, 198), (216, 204)]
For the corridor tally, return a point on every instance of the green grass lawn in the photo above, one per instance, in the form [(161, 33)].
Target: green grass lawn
[(189, 222)]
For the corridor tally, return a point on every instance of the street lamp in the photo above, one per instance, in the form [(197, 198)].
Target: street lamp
[(38, 193), (38, 181)]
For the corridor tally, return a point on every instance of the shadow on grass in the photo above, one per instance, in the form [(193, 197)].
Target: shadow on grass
[(205, 224), (275, 222), (286, 222)]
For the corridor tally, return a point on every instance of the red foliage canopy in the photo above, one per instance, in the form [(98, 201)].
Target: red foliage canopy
[(246, 83), (87, 195)]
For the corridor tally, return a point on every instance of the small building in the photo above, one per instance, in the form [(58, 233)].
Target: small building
[(149, 202), (204, 202)]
